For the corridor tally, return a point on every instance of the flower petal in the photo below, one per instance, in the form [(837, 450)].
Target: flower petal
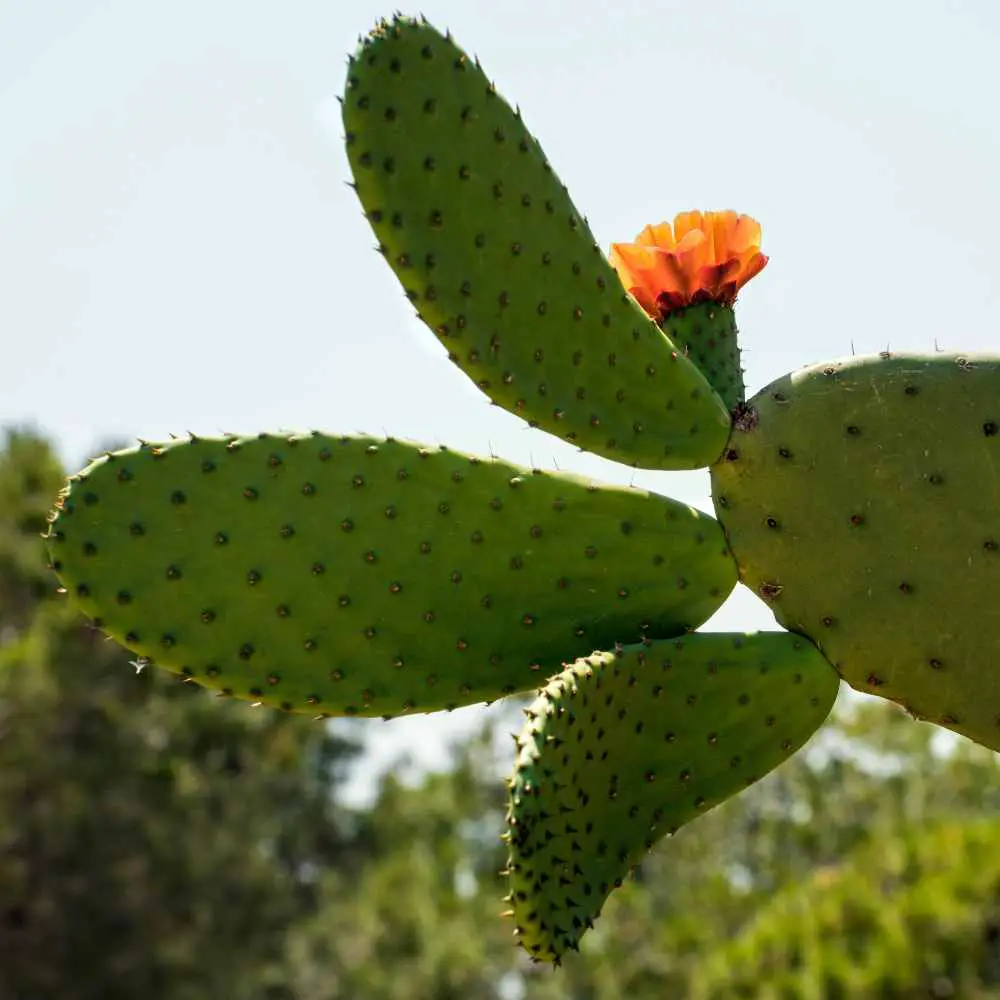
[(701, 256)]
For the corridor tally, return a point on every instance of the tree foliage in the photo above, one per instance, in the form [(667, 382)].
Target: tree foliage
[(154, 841), (157, 842)]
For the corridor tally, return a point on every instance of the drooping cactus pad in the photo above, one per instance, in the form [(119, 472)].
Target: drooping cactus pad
[(862, 501), (364, 577), (624, 748), (371, 577), (503, 268)]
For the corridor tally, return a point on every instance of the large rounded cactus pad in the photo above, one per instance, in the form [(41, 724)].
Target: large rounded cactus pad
[(862, 501), (371, 577), (503, 268), (623, 748)]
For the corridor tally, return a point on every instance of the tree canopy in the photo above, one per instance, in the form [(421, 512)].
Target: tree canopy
[(157, 841)]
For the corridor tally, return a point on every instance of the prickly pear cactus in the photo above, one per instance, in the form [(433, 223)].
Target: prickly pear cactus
[(354, 576)]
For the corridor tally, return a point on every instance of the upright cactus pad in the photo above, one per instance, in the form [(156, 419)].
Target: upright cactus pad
[(503, 268), (363, 577), (624, 748), (862, 501)]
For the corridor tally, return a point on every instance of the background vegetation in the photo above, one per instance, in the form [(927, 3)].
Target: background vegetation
[(157, 842)]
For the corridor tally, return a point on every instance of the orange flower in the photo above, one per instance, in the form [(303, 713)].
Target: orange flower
[(701, 258)]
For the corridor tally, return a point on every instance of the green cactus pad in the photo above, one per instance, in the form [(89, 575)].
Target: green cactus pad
[(707, 334), (503, 268), (363, 577), (624, 748), (862, 501)]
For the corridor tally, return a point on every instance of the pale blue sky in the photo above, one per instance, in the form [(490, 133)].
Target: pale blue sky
[(179, 250)]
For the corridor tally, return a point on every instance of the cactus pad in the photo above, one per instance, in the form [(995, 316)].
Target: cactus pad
[(363, 577), (503, 268), (707, 334), (624, 748), (862, 501)]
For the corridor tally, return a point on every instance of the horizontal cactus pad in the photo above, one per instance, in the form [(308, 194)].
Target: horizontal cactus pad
[(862, 501), (624, 748), (503, 268), (372, 577)]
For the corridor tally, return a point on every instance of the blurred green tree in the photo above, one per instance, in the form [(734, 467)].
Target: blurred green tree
[(831, 830), (158, 842), (155, 842)]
